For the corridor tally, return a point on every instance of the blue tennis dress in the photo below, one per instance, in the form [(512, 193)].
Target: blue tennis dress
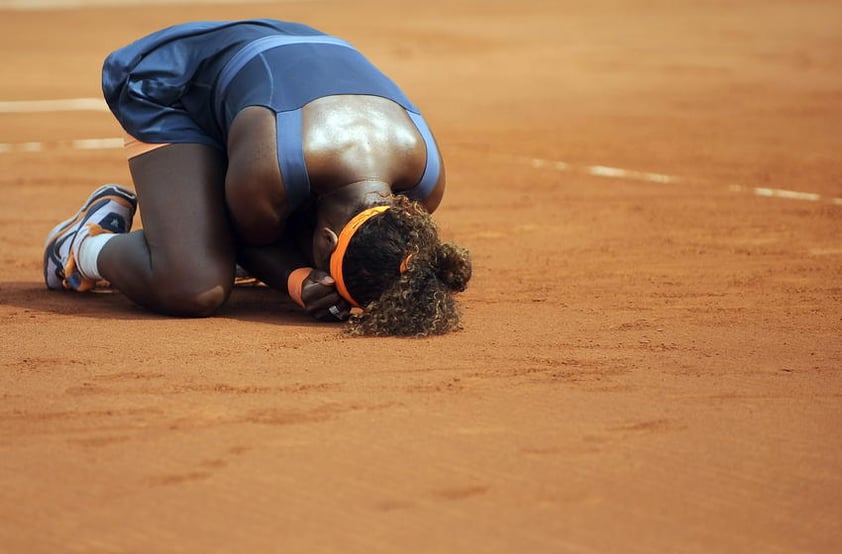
[(186, 83)]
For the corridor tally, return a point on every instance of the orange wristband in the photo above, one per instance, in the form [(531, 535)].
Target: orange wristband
[(295, 282)]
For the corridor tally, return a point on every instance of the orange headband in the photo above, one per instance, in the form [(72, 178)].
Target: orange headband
[(338, 254)]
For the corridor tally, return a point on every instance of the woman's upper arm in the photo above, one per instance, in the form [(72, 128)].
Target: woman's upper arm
[(432, 201), (254, 189)]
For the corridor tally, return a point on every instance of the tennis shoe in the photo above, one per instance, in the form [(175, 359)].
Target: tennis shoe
[(110, 209)]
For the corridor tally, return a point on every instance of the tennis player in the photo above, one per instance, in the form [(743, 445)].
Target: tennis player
[(279, 149)]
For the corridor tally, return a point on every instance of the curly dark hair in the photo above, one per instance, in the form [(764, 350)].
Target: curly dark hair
[(418, 301)]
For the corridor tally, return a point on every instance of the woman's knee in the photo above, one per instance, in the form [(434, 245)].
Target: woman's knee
[(196, 297)]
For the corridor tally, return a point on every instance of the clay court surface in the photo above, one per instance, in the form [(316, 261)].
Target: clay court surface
[(651, 358)]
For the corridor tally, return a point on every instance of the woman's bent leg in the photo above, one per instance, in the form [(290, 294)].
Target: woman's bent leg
[(182, 262)]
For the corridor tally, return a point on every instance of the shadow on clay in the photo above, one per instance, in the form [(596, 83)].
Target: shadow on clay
[(258, 304)]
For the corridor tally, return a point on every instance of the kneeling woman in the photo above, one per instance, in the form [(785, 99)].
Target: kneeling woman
[(277, 147)]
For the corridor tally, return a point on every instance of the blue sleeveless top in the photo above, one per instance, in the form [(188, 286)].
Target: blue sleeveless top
[(185, 84)]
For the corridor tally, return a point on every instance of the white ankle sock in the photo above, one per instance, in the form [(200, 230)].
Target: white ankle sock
[(88, 256)]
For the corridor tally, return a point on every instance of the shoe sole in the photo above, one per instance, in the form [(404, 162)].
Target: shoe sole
[(105, 192)]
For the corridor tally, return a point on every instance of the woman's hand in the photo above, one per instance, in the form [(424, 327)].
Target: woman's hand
[(321, 300)]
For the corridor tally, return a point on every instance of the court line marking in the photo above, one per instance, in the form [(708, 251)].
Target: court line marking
[(606, 171), (66, 105), (79, 144), (43, 5), (618, 173), (537, 163), (98, 104), (780, 193), (634, 175)]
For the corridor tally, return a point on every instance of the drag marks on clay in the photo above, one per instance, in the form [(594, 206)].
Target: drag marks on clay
[(649, 426), (649, 337), (460, 493), (322, 413), (210, 416), (636, 325), (99, 442), (108, 425), (450, 385), (105, 426), (32, 364), (69, 415), (178, 478), (597, 439), (435, 498), (291, 416), (202, 470), (86, 389), (128, 376), (590, 375), (149, 383)]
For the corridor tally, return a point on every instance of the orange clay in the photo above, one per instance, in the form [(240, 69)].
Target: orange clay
[(338, 254)]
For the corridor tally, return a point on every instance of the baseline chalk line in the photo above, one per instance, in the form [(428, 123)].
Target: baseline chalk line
[(66, 105), (97, 104), (634, 175), (44, 5), (79, 144)]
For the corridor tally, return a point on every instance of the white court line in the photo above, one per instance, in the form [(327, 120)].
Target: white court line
[(98, 144), (21, 147), (67, 105), (33, 5), (783, 193), (80, 144), (537, 163), (633, 175), (793, 194), (617, 173), (605, 171)]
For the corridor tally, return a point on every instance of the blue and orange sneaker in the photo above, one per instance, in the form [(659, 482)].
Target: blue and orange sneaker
[(110, 209)]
